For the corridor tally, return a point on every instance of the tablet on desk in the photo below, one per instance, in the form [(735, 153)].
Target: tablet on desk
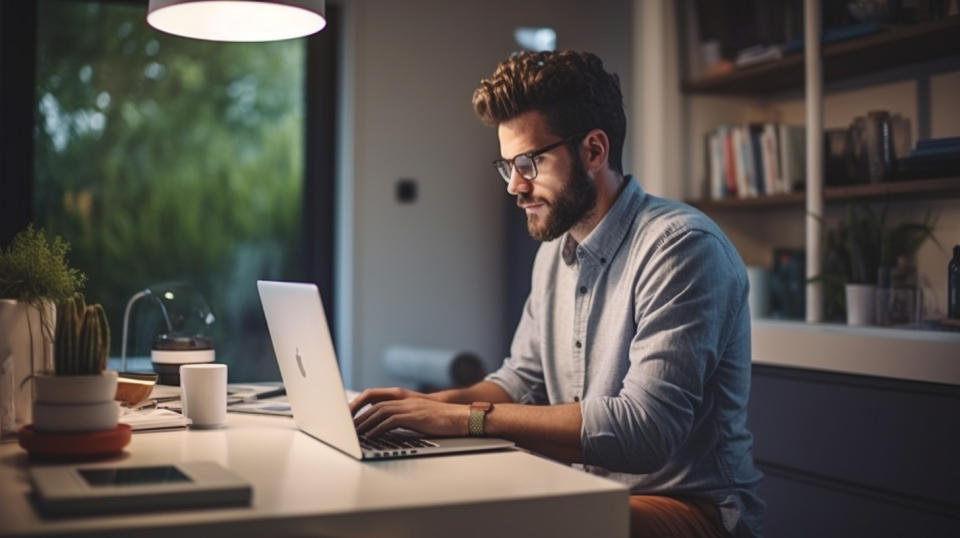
[(86, 489)]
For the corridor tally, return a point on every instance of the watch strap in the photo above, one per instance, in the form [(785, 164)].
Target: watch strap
[(477, 419)]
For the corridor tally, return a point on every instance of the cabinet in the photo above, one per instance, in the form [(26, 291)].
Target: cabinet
[(848, 455)]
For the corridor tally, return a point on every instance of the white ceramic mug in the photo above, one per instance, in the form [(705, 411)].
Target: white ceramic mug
[(204, 394)]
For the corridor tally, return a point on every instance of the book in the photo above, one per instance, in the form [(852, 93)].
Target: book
[(793, 156), (744, 162), (730, 161), (758, 159), (718, 183), (756, 150), (771, 160)]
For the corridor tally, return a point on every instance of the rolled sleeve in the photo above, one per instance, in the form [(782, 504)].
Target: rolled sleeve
[(684, 299)]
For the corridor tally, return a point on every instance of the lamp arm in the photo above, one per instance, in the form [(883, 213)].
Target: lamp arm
[(126, 323)]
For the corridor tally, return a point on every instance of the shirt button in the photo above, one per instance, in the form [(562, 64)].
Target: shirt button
[(603, 260), (579, 344), (576, 398), (583, 289)]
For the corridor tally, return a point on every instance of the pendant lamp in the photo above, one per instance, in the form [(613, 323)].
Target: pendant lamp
[(237, 20)]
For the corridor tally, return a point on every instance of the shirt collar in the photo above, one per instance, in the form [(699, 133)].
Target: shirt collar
[(604, 241)]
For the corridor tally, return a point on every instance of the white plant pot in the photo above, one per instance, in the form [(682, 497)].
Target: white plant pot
[(76, 389), (24, 350), (75, 403), (860, 304), (75, 418)]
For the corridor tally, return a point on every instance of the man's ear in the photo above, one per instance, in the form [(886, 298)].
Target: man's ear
[(597, 146)]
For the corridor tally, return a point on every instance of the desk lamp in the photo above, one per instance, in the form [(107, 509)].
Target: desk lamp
[(186, 317)]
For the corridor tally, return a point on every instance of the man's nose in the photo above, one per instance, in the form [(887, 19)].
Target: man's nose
[(518, 183)]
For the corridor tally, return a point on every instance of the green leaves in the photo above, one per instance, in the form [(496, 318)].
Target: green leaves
[(33, 268), (865, 242), (862, 243)]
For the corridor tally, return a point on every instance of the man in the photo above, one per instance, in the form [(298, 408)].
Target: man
[(632, 356)]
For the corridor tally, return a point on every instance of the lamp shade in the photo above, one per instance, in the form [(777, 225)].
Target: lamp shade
[(237, 20)]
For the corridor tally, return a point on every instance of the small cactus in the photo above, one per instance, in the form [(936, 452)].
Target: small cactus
[(82, 338)]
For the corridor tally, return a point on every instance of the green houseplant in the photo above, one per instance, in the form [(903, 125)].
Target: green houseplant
[(80, 395), (34, 275), (859, 248)]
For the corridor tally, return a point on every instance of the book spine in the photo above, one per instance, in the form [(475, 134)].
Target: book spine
[(731, 161), (756, 151), (786, 179), (744, 163), (771, 165), (717, 181), (742, 190)]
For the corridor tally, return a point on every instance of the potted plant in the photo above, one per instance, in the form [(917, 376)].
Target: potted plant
[(79, 395), (34, 274), (857, 251)]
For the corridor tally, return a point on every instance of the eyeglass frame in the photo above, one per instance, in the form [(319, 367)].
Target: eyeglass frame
[(532, 155)]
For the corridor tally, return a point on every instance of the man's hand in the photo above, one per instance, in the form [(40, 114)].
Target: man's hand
[(401, 408), (372, 396)]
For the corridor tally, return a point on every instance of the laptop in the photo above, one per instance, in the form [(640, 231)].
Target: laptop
[(311, 375)]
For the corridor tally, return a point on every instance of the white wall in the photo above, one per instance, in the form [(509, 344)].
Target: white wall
[(432, 273), (657, 115)]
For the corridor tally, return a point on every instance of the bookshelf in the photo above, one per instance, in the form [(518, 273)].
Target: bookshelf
[(918, 189), (912, 70), (894, 47)]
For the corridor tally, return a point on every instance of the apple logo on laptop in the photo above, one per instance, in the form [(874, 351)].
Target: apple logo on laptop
[(303, 371)]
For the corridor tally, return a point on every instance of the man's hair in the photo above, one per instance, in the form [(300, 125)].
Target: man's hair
[(571, 90)]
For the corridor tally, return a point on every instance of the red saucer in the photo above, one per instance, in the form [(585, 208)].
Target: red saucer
[(74, 446)]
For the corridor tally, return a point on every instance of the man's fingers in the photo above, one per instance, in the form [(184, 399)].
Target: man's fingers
[(376, 414), (368, 420), (372, 396), (390, 423), (358, 422)]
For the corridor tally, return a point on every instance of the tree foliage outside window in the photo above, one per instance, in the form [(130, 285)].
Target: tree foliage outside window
[(161, 158)]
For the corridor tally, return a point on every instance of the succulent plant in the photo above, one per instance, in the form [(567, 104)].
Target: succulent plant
[(82, 338)]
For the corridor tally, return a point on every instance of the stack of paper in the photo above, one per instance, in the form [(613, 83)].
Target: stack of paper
[(153, 419)]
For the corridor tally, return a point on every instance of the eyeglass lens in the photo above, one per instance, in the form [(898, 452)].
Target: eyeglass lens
[(524, 165)]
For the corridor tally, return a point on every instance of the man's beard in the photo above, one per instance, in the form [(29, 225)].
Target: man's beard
[(572, 204)]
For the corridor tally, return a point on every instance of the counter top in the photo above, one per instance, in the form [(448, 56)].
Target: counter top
[(915, 355)]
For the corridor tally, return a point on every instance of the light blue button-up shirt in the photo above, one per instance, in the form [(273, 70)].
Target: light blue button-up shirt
[(646, 324)]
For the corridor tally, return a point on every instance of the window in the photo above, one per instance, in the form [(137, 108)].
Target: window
[(161, 158)]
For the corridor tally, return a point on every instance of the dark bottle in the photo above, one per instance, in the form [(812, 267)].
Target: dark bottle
[(953, 285)]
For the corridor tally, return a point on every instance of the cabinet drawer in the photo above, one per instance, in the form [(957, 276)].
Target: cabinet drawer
[(801, 510), (895, 436)]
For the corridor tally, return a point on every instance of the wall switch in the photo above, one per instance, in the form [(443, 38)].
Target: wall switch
[(406, 190)]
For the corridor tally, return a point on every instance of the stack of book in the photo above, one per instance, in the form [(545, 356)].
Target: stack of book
[(758, 159)]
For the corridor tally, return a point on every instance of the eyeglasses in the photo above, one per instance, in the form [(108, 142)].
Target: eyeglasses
[(525, 163)]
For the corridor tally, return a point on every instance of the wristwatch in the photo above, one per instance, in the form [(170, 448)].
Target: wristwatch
[(478, 413)]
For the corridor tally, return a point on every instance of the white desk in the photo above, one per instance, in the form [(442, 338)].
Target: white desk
[(305, 488)]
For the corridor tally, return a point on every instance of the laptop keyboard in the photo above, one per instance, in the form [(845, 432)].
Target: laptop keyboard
[(391, 444)]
